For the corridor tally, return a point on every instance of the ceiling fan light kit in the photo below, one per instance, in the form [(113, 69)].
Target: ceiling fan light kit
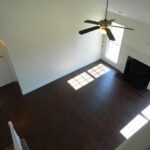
[(102, 30), (104, 26)]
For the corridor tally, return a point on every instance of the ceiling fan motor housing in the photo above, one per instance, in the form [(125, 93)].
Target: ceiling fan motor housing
[(105, 23)]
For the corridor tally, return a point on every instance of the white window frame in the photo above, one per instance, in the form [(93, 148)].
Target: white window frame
[(118, 34)]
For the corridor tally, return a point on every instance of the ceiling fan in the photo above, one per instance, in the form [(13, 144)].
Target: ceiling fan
[(104, 25)]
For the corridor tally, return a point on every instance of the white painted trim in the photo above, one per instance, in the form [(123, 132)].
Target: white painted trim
[(6, 82), (15, 137)]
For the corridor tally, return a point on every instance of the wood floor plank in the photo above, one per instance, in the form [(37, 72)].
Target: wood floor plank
[(56, 117)]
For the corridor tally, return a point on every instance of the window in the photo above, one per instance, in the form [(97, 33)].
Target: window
[(113, 47)]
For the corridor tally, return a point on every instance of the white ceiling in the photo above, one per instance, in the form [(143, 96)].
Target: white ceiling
[(136, 9)]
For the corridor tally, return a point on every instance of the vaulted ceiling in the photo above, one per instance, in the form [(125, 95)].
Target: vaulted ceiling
[(136, 9)]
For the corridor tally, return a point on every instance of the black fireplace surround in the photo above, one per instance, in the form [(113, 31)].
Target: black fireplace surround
[(137, 73)]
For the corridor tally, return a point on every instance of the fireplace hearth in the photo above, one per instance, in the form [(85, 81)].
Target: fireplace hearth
[(137, 73)]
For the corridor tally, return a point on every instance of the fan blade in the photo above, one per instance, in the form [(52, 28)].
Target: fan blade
[(89, 29), (109, 34), (112, 20), (92, 22), (123, 27)]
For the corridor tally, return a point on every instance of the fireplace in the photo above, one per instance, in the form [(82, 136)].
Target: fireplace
[(137, 73)]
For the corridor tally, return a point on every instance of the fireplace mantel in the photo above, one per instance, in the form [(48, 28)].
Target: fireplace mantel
[(137, 55)]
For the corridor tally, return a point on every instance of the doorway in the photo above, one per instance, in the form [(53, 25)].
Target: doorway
[(111, 49)]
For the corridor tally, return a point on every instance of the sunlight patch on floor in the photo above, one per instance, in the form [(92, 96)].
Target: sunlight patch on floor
[(98, 70), (80, 80), (146, 112), (87, 77), (137, 123)]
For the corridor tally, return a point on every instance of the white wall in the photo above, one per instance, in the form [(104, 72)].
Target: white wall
[(7, 74), (43, 41), (135, 43), (139, 141)]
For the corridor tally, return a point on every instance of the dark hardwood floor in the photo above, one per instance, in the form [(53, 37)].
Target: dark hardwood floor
[(56, 117)]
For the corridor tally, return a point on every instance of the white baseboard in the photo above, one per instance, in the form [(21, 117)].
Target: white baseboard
[(55, 77), (6, 82)]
